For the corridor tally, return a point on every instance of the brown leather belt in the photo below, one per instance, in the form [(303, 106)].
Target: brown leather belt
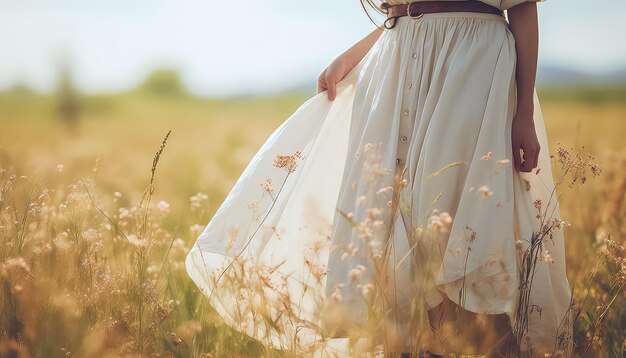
[(416, 9)]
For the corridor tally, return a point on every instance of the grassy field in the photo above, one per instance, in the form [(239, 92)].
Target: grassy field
[(74, 284)]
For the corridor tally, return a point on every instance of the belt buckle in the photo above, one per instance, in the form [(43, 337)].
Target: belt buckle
[(408, 11)]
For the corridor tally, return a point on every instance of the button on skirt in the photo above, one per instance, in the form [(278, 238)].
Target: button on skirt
[(417, 141)]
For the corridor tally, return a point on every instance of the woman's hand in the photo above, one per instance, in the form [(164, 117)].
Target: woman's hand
[(340, 67), (334, 73), (523, 136)]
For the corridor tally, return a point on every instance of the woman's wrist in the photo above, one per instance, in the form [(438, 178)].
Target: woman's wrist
[(525, 108)]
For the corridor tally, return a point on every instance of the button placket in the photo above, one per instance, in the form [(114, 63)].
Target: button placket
[(405, 123), (402, 140)]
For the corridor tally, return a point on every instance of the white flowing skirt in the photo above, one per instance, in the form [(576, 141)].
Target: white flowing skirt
[(433, 100)]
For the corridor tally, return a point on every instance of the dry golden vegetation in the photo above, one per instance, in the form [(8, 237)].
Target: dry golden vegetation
[(100, 203)]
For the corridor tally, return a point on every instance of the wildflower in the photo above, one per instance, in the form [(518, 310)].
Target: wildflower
[(384, 190), (377, 224), (350, 251), (91, 234), (491, 261), (546, 256), (485, 190), (364, 231), (472, 236), (613, 248), (537, 204), (179, 244), (441, 223), (367, 147), (486, 156), (124, 213), (354, 185), (374, 245), (445, 218), (526, 184), (12, 264), (373, 212), (153, 268), (417, 233), (196, 229), (595, 169), (288, 162), (336, 295), (558, 223), (563, 154), (135, 241), (163, 206), (355, 273), (360, 200), (196, 200), (317, 243), (367, 289), (267, 186)]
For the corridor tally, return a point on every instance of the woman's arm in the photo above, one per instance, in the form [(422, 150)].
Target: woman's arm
[(338, 69), (524, 26)]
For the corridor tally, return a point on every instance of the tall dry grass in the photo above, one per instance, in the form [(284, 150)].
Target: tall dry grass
[(88, 269)]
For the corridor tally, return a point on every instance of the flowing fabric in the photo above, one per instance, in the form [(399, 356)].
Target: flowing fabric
[(433, 101)]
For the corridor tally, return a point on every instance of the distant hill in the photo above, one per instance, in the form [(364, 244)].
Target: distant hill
[(555, 76), (547, 76)]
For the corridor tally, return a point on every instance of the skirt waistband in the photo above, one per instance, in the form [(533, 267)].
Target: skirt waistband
[(418, 9)]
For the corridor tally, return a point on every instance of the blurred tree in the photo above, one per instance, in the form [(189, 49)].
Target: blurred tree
[(165, 82), (20, 90), (68, 101)]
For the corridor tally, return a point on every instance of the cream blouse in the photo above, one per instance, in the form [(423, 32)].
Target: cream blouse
[(500, 4)]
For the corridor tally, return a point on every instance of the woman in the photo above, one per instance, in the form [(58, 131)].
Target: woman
[(396, 209)]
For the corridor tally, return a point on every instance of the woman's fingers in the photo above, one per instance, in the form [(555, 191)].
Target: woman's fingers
[(524, 138), (531, 154), (321, 82), (332, 88), (534, 156), (517, 157), (326, 83)]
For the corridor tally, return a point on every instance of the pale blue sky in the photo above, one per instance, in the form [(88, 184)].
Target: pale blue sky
[(225, 47)]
